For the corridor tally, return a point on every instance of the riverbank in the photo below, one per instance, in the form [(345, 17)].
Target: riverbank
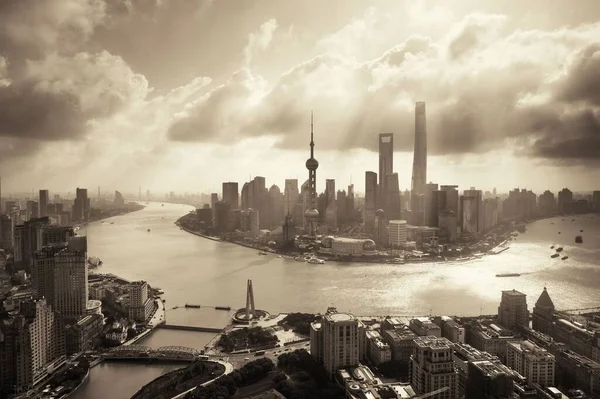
[(408, 256)]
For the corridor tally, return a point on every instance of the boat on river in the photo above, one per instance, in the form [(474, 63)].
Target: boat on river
[(555, 256), (315, 261), (187, 305), (564, 258), (559, 249), (508, 275), (579, 239)]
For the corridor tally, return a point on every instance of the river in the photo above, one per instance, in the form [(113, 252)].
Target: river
[(191, 269)]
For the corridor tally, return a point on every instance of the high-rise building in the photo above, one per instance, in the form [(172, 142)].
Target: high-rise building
[(81, 205), (419, 173), (312, 214), (6, 232), (44, 201), (386, 166), (565, 201), (472, 212), (141, 304), (370, 201), (393, 202), (532, 362), (512, 311), (432, 367), (275, 207), (342, 207), (547, 203), (542, 318), (448, 226), (31, 347), (291, 194), (331, 207), (398, 232), (231, 195), (71, 280), (490, 213), (31, 210), (350, 202), (341, 340), (430, 209)]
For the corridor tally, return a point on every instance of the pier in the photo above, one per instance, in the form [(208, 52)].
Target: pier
[(190, 328)]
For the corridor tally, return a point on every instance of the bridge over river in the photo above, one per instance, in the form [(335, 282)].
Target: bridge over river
[(165, 353)]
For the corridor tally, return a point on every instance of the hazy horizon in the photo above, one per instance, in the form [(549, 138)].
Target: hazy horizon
[(183, 95)]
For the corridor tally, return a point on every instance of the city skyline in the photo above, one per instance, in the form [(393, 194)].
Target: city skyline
[(498, 102)]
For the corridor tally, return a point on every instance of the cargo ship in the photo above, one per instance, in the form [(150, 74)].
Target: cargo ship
[(187, 305), (223, 307)]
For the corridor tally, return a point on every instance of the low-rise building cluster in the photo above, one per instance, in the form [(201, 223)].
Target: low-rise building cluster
[(497, 357)]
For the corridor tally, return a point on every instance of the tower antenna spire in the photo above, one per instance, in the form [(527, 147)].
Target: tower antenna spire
[(312, 142)]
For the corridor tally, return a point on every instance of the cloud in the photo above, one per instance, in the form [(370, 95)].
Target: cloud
[(484, 88), (29, 28), (259, 41)]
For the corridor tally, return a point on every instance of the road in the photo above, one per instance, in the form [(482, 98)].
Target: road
[(238, 360)]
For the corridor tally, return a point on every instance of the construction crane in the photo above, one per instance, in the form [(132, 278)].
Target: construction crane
[(430, 394)]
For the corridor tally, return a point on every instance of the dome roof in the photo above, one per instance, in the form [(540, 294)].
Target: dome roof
[(312, 213), (544, 300), (312, 163)]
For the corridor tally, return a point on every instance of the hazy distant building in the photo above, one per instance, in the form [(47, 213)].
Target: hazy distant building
[(547, 203), (393, 202), (565, 201), (512, 311), (31, 210), (490, 213), (472, 212), (222, 220), (214, 198), (331, 205), (6, 232), (520, 206), (119, 200), (81, 205), (44, 201), (230, 194), (386, 167), (350, 204), (419, 172), (291, 194), (370, 201), (275, 206), (432, 367), (448, 226), (342, 207), (430, 208)]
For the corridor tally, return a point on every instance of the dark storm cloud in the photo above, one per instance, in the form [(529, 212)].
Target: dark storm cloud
[(50, 89), (583, 81)]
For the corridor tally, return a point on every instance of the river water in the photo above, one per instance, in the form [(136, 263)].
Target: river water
[(191, 269)]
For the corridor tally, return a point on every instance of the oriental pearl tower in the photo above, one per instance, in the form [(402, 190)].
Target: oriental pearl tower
[(312, 214)]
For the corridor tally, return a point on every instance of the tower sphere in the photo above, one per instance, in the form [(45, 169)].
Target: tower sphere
[(312, 164)]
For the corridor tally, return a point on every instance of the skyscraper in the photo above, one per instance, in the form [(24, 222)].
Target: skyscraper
[(419, 175), (312, 214), (231, 194), (370, 201), (44, 200), (71, 279), (290, 193), (386, 166), (81, 205), (432, 367), (512, 311), (331, 208)]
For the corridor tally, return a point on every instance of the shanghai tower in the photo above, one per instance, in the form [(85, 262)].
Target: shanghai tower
[(419, 175)]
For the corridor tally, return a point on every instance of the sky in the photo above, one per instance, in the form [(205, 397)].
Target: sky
[(181, 95)]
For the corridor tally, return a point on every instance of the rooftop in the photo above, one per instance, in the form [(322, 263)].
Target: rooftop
[(433, 342), (339, 317), (400, 334), (544, 300), (513, 292)]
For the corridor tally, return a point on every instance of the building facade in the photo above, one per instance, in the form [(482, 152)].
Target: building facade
[(432, 367)]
